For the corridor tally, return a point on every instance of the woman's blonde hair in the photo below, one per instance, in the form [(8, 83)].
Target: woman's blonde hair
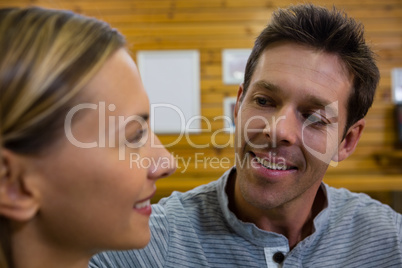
[(46, 58)]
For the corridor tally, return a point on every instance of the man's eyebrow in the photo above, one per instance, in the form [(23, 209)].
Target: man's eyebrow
[(319, 103), (313, 101), (316, 102), (267, 85)]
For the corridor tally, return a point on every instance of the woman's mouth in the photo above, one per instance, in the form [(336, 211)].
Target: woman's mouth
[(143, 207), (143, 204)]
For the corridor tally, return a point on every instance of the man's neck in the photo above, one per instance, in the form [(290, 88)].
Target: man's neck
[(293, 220)]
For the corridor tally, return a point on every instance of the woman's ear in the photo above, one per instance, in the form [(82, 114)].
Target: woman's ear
[(350, 141), (18, 199)]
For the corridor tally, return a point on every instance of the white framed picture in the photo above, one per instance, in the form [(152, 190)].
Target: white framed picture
[(397, 85), (234, 63), (172, 81), (229, 104)]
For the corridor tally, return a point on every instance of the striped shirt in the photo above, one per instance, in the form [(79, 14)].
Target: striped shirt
[(196, 229)]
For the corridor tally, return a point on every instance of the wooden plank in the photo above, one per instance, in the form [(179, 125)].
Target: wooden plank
[(201, 4), (380, 41), (207, 139), (229, 151), (200, 161), (366, 183), (248, 29), (356, 183), (132, 14), (211, 10), (235, 29), (390, 55)]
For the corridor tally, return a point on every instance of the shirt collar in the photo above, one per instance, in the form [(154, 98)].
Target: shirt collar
[(257, 236)]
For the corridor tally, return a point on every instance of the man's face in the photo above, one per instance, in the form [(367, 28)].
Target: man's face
[(289, 124)]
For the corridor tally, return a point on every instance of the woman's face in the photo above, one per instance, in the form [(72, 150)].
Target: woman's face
[(96, 183)]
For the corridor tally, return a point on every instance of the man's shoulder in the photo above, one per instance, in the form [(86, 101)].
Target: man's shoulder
[(360, 207), (201, 197)]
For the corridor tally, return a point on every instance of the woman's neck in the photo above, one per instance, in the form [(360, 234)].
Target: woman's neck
[(31, 250), (5, 243)]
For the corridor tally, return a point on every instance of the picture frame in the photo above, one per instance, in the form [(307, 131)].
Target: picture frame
[(233, 64), (229, 104), (397, 85), (172, 81)]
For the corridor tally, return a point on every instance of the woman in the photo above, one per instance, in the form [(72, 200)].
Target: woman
[(73, 111)]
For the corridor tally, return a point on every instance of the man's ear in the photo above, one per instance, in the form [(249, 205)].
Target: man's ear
[(238, 101), (18, 200), (348, 145)]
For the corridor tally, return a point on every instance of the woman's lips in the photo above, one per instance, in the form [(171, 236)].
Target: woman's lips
[(144, 206)]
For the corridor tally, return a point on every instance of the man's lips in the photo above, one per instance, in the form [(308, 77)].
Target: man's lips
[(272, 161)]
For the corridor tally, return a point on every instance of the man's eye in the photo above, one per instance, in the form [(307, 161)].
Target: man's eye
[(262, 101), (315, 119)]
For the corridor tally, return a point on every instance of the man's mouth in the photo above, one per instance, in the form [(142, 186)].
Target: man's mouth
[(269, 164)]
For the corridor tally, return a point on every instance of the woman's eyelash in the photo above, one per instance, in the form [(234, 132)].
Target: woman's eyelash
[(140, 134)]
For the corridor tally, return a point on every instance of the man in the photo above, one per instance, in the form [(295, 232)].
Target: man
[(309, 82)]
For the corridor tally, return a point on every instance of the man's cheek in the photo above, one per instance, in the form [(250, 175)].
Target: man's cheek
[(321, 144)]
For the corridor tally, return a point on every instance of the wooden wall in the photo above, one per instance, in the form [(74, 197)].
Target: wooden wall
[(213, 25)]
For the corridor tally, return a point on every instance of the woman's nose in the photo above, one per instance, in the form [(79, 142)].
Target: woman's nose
[(163, 164)]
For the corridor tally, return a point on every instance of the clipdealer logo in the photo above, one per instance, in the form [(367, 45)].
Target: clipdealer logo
[(107, 124)]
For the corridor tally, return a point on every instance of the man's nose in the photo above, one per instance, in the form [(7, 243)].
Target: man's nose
[(284, 127)]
